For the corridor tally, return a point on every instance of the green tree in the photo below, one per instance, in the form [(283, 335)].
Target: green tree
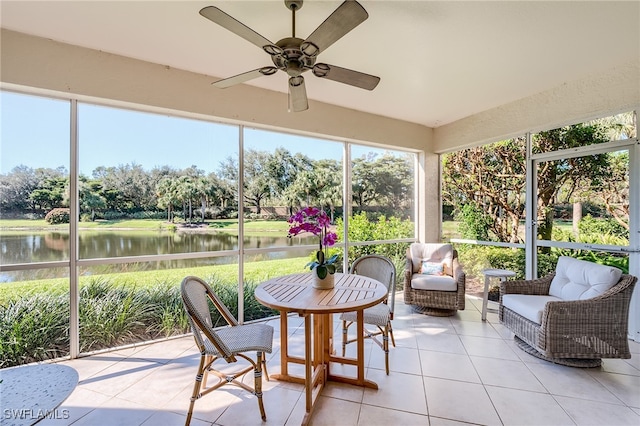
[(257, 187), (90, 198), (363, 181), (15, 188), (491, 178), (282, 168), (127, 188), (328, 185), (167, 195), (382, 180), (566, 173), (188, 190), (49, 194)]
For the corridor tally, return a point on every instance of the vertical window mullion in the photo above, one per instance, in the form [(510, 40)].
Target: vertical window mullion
[(74, 209), (346, 202), (241, 224)]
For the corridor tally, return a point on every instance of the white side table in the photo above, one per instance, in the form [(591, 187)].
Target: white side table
[(503, 274)]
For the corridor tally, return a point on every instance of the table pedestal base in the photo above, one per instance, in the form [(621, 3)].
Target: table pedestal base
[(318, 356)]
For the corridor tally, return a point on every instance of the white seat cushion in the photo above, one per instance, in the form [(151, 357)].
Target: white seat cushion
[(579, 280), (529, 306), (433, 282)]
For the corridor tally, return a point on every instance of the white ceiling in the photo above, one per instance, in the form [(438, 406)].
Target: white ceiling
[(439, 61)]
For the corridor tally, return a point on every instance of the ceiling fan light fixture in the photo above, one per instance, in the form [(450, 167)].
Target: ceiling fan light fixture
[(297, 95), (268, 70), (273, 50), (309, 49), (296, 81), (321, 70)]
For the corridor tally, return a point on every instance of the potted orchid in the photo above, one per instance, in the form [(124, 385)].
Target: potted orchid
[(316, 222)]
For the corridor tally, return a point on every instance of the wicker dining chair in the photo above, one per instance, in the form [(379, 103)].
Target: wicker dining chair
[(382, 269), (227, 343)]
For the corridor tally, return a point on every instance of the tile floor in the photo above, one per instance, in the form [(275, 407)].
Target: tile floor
[(444, 371)]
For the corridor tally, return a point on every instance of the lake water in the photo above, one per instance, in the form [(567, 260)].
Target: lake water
[(31, 247)]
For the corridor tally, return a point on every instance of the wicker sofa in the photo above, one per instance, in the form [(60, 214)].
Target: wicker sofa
[(439, 294), (575, 316)]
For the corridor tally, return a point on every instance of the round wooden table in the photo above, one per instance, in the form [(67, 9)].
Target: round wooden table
[(295, 293)]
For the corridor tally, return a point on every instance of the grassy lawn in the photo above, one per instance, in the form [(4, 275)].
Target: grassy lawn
[(228, 225), (254, 227), (450, 230), (6, 224), (255, 272), (565, 225)]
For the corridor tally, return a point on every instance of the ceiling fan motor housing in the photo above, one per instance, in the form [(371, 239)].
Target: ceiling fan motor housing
[(292, 60)]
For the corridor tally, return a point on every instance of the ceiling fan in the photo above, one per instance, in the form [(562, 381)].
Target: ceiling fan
[(294, 55)]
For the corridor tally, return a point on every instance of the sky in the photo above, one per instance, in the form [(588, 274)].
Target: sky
[(34, 131)]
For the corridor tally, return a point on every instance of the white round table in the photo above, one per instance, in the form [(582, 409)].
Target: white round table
[(30, 393), (503, 274)]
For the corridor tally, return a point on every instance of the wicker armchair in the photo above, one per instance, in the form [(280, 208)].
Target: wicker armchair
[(576, 333), (439, 295), (227, 343)]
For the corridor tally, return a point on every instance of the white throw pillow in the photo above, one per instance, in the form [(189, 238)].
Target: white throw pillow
[(430, 252), (578, 279)]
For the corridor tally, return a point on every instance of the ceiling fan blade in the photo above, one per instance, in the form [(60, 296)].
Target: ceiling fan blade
[(297, 94), (241, 78), (346, 76), (346, 17), (219, 17)]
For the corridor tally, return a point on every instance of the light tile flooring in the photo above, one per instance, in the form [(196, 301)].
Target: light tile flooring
[(444, 371)]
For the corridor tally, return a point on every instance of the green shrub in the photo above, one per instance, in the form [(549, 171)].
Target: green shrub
[(112, 316), (57, 216), (607, 226), (476, 258), (603, 258), (148, 215), (364, 227), (34, 328), (474, 223)]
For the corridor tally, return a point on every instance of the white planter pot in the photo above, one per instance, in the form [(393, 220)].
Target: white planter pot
[(325, 283)]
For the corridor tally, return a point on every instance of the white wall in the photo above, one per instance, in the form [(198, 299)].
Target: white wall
[(45, 64), (608, 92)]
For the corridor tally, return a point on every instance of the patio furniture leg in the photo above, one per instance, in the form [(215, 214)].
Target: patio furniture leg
[(385, 344), (205, 373), (344, 337), (258, 384), (196, 388), (264, 367)]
